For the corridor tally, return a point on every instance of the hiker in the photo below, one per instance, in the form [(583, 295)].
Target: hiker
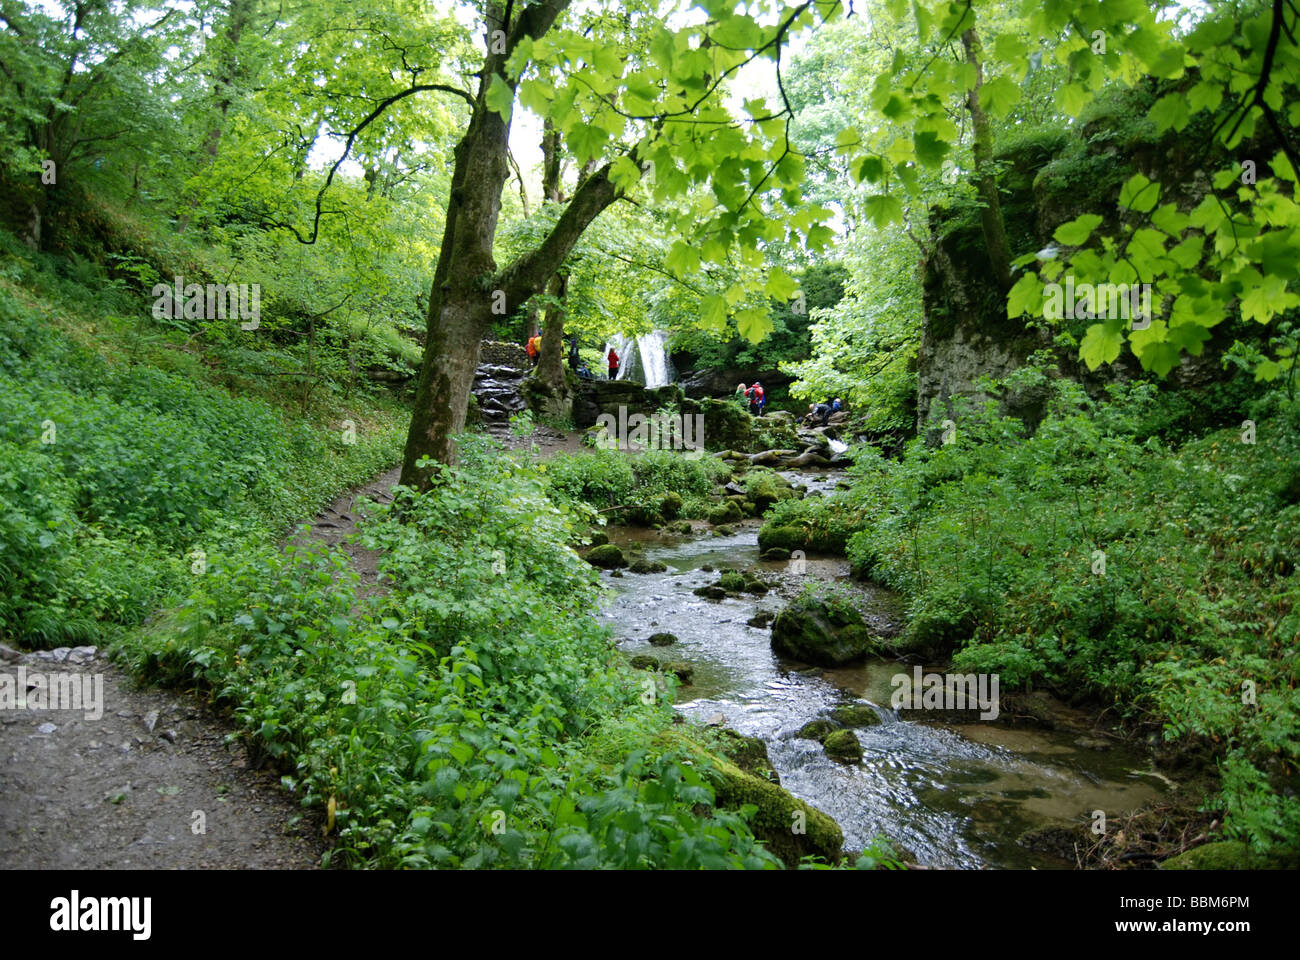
[(836, 407), (574, 360), (756, 399), (819, 411), (743, 389), (613, 364), (534, 348)]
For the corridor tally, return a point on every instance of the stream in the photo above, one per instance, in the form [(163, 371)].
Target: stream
[(954, 795)]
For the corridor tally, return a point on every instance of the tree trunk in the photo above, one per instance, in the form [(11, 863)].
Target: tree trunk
[(995, 235), (550, 366)]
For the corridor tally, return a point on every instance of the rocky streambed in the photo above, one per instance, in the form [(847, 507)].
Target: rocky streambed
[(951, 791)]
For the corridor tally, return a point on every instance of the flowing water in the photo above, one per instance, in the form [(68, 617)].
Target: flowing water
[(648, 363), (955, 795)]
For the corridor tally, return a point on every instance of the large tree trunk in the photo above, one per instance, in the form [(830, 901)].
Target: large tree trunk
[(995, 235), (460, 302), (466, 284)]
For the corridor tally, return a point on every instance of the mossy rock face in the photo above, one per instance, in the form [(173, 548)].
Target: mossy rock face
[(821, 633), (671, 505), (607, 556), (782, 538), (727, 512), (662, 639), (778, 812), (818, 729), (1219, 855), (732, 581), (856, 715), (842, 745), (642, 565)]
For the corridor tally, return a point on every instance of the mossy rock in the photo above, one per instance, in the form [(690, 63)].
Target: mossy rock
[(777, 814), (842, 745), (761, 619), (599, 538), (818, 729), (1219, 855), (671, 505), (644, 662), (711, 592), (733, 581), (724, 531), (856, 715), (684, 671), (661, 639), (749, 754), (607, 556), (755, 585), (769, 490), (642, 565), (727, 512), (822, 633), (784, 538), (775, 553)]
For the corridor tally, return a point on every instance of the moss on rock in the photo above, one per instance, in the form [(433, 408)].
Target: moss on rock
[(843, 745), (778, 812), (606, 556)]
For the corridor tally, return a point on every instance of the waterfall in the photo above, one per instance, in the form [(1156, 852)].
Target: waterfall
[(648, 363)]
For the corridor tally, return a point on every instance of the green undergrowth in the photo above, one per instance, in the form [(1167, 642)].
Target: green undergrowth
[(1098, 559), (472, 714), (614, 478), (124, 462)]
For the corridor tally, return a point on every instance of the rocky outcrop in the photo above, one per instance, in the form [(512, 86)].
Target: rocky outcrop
[(1047, 180)]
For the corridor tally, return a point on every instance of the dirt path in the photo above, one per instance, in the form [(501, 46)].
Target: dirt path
[(151, 783)]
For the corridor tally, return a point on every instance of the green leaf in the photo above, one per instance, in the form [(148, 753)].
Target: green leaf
[(754, 324), (884, 209), (999, 95), (1170, 111), (1072, 98), (1101, 344), (1204, 96), (1139, 194), (1077, 231), (930, 150), (500, 98)]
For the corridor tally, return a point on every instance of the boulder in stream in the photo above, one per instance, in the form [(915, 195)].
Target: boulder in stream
[(843, 745), (823, 632), (607, 556)]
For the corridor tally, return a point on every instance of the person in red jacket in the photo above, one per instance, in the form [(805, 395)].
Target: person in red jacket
[(534, 348), (613, 364), (756, 399)]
